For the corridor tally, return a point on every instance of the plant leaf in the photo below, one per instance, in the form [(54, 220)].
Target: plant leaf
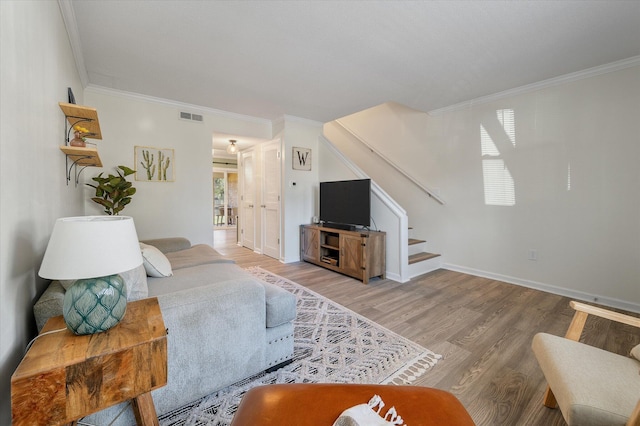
[(127, 171), (103, 202)]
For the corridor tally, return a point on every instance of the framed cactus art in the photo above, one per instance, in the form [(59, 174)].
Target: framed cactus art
[(154, 164)]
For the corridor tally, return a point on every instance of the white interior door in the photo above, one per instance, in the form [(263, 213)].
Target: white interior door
[(270, 206), (247, 200)]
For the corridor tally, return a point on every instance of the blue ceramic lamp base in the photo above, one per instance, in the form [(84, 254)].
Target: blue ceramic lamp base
[(94, 305)]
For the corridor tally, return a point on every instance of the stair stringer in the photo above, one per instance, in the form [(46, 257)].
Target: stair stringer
[(389, 217)]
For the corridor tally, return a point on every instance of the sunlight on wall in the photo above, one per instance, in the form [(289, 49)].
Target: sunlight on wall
[(506, 117), (499, 187)]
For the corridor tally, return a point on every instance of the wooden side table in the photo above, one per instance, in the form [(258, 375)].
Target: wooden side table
[(64, 377)]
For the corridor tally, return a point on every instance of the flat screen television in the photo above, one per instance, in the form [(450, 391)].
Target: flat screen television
[(345, 202)]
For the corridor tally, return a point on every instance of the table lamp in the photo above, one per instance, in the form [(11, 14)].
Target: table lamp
[(92, 250)]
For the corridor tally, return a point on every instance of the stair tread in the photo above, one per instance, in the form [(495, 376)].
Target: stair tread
[(419, 257), (413, 241)]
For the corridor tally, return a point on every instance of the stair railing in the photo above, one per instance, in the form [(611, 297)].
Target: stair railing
[(399, 169)]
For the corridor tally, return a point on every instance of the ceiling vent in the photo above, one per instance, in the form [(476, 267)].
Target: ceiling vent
[(191, 117)]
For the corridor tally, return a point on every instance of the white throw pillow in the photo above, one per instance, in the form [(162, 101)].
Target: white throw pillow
[(366, 415), (155, 262), (635, 352)]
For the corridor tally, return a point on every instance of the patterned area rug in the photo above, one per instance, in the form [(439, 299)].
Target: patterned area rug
[(332, 344)]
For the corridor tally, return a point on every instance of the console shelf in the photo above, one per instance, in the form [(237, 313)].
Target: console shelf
[(358, 254)]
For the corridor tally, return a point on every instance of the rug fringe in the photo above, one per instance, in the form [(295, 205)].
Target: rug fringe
[(415, 369)]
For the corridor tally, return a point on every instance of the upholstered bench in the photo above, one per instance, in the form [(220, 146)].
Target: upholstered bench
[(590, 385), (322, 403)]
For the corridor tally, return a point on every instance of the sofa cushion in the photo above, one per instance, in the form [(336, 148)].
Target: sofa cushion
[(200, 254), (135, 280), (592, 386), (196, 276), (168, 245), (281, 305), (155, 262)]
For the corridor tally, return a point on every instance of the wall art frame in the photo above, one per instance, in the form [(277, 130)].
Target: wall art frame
[(301, 158), (154, 164)]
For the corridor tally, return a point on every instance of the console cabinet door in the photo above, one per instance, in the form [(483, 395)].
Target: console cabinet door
[(351, 255), (310, 244)]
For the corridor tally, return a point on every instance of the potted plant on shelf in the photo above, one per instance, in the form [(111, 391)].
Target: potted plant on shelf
[(113, 192)]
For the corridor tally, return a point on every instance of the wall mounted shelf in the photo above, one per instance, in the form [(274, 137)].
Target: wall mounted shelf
[(87, 157), (88, 116), (82, 157)]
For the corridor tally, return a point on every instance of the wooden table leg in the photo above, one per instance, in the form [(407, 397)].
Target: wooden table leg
[(144, 410)]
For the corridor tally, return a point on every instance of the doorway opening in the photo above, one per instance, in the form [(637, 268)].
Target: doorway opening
[(225, 199)]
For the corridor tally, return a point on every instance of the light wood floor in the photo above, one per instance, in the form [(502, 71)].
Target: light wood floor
[(482, 327)]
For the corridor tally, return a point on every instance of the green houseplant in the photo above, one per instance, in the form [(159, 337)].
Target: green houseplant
[(113, 192)]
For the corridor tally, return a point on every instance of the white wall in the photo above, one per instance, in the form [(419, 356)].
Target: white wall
[(179, 208), (37, 67), (299, 200), (184, 207), (587, 237)]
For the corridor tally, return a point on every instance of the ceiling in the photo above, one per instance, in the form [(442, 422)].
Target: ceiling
[(322, 60), (220, 142)]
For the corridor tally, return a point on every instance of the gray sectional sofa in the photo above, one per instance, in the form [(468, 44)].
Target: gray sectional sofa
[(224, 325)]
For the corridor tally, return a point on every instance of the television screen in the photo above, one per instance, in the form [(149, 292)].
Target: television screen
[(346, 202)]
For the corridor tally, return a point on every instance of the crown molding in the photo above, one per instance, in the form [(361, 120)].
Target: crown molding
[(176, 104), (70, 23), (563, 79)]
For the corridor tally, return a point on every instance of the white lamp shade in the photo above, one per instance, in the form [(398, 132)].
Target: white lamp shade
[(91, 247)]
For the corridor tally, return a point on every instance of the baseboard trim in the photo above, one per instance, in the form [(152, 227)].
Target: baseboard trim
[(394, 277), (561, 291)]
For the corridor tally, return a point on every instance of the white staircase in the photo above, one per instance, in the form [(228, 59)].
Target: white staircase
[(401, 264), (420, 260)]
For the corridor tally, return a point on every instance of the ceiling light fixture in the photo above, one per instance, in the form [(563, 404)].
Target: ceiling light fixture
[(232, 148)]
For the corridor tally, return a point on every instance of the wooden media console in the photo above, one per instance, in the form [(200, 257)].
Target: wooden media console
[(358, 254)]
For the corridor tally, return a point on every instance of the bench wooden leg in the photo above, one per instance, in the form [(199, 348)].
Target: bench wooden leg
[(549, 399), (144, 410), (634, 420)]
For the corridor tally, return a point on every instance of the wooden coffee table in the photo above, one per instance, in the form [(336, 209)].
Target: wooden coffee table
[(64, 377)]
